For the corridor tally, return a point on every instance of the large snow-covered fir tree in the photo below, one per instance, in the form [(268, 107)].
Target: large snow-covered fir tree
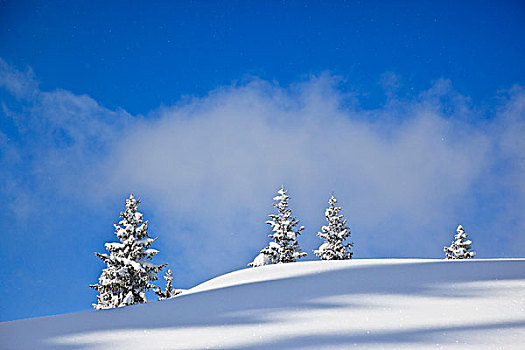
[(459, 249), (128, 274), (334, 235), (284, 248), (169, 292)]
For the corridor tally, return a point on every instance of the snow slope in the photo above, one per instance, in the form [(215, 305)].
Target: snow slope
[(361, 304)]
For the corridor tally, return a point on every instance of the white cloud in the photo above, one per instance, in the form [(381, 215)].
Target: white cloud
[(406, 174), (21, 84)]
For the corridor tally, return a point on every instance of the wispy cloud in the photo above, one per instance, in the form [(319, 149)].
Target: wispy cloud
[(406, 174), (21, 84)]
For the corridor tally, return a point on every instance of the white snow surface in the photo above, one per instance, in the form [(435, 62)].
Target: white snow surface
[(351, 304)]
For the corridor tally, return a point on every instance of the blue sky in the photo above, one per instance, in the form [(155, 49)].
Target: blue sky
[(413, 113)]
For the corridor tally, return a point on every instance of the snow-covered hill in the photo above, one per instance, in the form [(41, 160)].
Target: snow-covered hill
[(362, 304)]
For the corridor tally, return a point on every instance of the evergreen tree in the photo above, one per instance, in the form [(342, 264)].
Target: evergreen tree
[(459, 249), (334, 235), (284, 248), (128, 275), (169, 292)]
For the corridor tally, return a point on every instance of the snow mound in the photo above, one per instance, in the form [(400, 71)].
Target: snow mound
[(361, 304)]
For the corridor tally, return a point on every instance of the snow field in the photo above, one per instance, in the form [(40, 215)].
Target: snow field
[(361, 304)]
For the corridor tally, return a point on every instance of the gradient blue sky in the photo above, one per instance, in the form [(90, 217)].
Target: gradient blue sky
[(412, 112)]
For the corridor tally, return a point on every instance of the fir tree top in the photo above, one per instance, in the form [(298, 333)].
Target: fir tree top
[(459, 249), (283, 223)]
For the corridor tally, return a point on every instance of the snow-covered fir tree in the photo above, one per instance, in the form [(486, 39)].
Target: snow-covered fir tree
[(128, 274), (334, 234), (169, 292), (459, 249), (284, 248)]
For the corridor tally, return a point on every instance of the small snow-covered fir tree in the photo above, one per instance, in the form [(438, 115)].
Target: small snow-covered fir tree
[(169, 292), (284, 248), (459, 249), (128, 275), (334, 235)]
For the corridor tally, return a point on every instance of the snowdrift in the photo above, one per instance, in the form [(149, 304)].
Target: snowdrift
[(361, 304)]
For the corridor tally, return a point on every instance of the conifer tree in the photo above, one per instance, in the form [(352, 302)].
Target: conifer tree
[(334, 235), (128, 275), (169, 292), (284, 248), (459, 249)]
